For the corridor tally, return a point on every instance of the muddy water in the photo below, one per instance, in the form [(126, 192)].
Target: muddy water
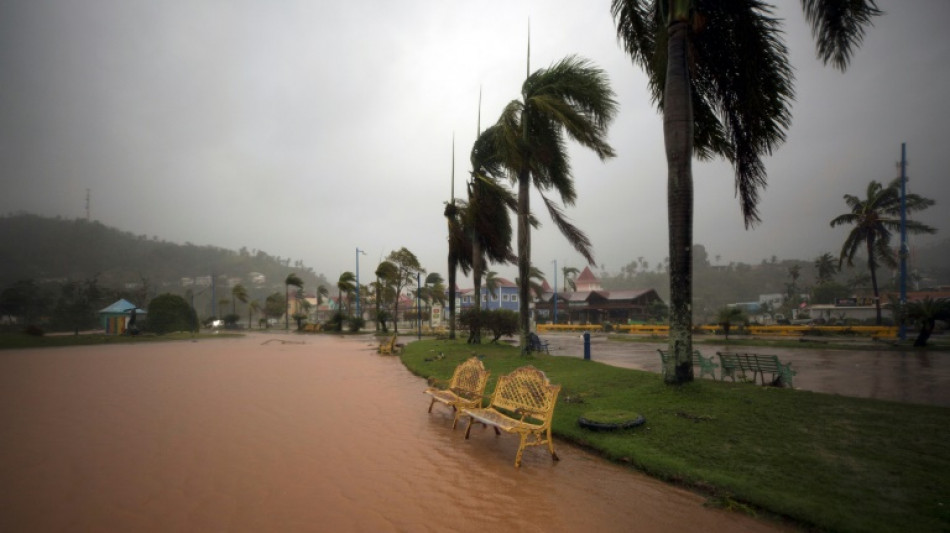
[(242, 435), (912, 376)]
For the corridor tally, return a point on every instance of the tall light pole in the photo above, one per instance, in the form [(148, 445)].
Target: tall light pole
[(555, 291), (359, 314)]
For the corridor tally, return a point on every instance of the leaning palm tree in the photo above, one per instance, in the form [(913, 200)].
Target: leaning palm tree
[(535, 283), (570, 273), (346, 285), (571, 97), (252, 308), (238, 293), (925, 313), (292, 279), (486, 220), (492, 282), (387, 274), (719, 73), (874, 218), (322, 293)]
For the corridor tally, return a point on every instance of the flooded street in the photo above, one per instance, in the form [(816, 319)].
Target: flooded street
[(912, 376), (259, 434)]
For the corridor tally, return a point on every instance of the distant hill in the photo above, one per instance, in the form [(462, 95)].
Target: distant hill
[(55, 249)]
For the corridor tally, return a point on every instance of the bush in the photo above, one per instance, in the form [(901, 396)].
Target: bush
[(501, 322), (355, 324), (335, 323), (170, 312)]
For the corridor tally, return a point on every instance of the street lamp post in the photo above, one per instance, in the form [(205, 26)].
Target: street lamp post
[(359, 314)]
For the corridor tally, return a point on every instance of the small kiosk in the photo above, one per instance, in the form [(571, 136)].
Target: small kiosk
[(117, 317)]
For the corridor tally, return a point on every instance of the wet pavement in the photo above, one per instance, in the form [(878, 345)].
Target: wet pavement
[(911, 376)]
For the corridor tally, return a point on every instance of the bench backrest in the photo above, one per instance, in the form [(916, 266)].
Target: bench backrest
[(752, 362), (470, 378), (665, 354), (534, 342), (526, 390)]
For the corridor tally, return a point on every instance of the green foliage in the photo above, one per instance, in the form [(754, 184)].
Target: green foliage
[(747, 444), (355, 324), (335, 323), (77, 306), (168, 313), (501, 322), (275, 305), (231, 319)]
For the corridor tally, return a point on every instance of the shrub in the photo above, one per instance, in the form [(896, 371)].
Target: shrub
[(335, 323), (355, 324), (501, 322), (170, 312)]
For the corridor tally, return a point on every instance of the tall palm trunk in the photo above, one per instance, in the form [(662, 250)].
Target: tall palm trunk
[(453, 265), (872, 267), (475, 334), (678, 139), (524, 252)]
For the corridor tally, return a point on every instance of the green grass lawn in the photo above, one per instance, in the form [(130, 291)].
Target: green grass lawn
[(823, 461)]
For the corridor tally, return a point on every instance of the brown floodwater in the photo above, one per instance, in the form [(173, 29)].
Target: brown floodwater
[(264, 434)]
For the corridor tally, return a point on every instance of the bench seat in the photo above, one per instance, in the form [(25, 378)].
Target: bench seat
[(465, 389), (523, 404)]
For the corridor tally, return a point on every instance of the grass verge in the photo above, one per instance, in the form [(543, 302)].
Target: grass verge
[(824, 461)]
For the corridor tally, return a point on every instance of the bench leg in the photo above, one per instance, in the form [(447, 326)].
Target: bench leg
[(431, 404), (551, 447), (468, 429), (524, 437)]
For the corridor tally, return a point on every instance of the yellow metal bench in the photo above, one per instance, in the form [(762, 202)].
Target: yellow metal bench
[(522, 403), (465, 389), (388, 347)]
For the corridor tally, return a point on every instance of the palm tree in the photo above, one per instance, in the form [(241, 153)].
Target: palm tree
[(825, 267), (728, 316), (292, 279), (535, 283), (346, 285), (485, 221), (719, 73), (238, 292), (925, 313), (386, 274), (571, 97), (569, 274), (491, 287), (252, 308), (874, 218)]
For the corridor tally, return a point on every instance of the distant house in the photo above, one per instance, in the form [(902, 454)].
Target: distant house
[(591, 304), (115, 318), (504, 297)]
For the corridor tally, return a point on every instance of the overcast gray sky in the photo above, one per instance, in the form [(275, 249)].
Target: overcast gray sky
[(309, 128)]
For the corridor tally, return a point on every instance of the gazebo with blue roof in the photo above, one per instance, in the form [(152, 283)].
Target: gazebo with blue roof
[(115, 318)]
